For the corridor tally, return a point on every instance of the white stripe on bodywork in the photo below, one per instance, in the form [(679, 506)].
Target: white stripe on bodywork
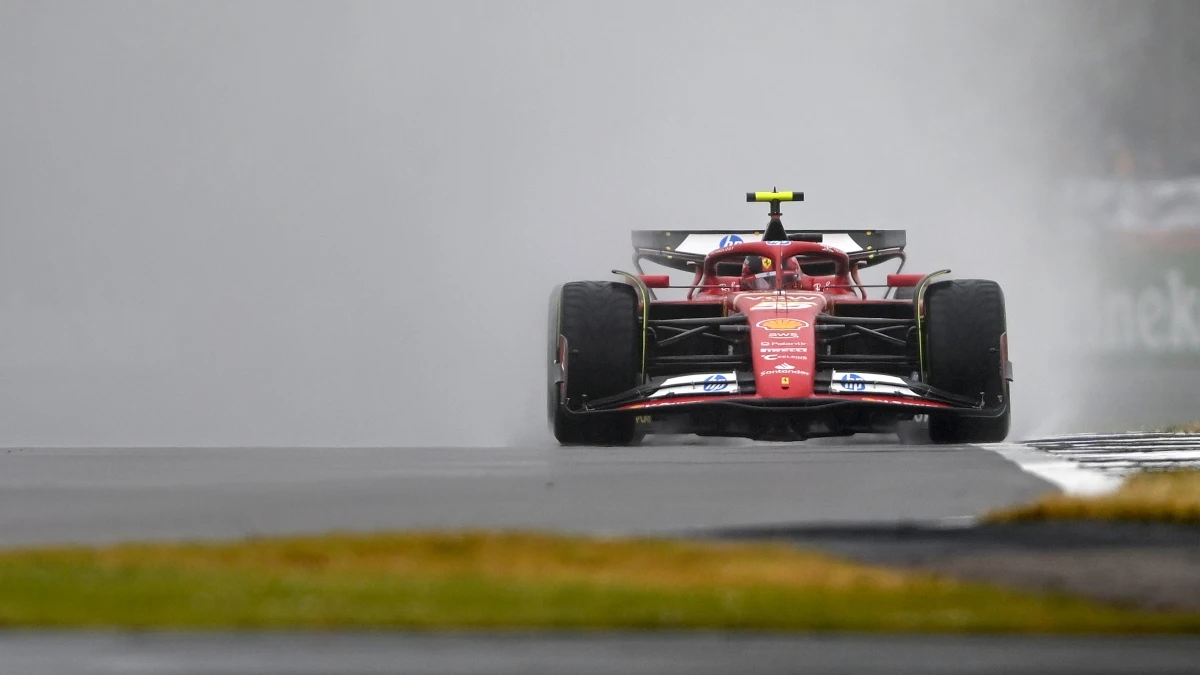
[(700, 384), (843, 382), (706, 243), (843, 241)]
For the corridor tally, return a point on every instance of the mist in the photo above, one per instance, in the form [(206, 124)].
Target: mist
[(300, 223)]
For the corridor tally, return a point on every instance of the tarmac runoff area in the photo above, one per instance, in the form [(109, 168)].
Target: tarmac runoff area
[(878, 502)]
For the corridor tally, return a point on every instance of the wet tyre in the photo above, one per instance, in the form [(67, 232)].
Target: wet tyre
[(600, 322), (965, 327)]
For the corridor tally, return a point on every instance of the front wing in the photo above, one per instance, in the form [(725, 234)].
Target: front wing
[(747, 414)]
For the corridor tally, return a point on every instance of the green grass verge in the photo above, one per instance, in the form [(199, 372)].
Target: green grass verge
[(513, 580), (1151, 496)]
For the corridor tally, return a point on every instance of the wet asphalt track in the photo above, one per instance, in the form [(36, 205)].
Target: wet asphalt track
[(98, 495), (627, 654)]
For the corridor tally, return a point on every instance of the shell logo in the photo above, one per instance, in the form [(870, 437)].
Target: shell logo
[(782, 323)]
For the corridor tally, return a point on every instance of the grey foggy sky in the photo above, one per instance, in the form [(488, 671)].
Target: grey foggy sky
[(337, 223)]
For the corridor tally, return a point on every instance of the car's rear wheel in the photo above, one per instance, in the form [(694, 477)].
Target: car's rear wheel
[(965, 329), (599, 321)]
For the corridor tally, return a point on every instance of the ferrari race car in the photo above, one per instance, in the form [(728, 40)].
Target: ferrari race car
[(777, 339)]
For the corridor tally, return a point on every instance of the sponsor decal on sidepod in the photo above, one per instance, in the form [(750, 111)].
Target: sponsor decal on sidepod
[(716, 382), (869, 383), (784, 369), (782, 323), (783, 304), (703, 383), (853, 382)]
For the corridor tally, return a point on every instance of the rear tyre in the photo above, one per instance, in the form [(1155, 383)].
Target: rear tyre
[(965, 327), (599, 320)]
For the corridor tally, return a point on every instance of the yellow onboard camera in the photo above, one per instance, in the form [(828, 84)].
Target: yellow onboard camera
[(774, 196)]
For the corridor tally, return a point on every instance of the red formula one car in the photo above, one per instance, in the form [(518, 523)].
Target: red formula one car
[(777, 339)]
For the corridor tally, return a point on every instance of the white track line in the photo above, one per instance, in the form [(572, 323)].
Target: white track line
[(1133, 435), (1133, 455), (1116, 443), (1070, 477)]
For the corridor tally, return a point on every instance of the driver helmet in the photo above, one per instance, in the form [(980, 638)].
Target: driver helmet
[(758, 273)]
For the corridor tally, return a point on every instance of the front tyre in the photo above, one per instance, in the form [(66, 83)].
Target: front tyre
[(599, 322), (965, 328)]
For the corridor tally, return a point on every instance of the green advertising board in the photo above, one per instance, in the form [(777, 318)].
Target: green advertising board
[(1152, 297), (1139, 321), (1140, 338)]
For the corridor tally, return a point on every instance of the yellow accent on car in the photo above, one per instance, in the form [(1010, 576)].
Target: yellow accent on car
[(919, 306), (644, 292), (774, 196)]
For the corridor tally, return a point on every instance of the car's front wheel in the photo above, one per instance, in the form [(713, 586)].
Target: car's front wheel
[(599, 355), (965, 329)]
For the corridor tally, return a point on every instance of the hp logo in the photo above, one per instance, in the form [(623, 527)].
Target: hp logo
[(854, 382), (715, 383)]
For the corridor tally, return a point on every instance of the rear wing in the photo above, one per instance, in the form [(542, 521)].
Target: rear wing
[(684, 249)]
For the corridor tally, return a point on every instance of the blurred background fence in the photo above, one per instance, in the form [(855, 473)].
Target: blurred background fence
[(1130, 155)]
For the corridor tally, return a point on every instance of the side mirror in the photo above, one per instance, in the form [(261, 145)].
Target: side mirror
[(655, 280), (904, 280)]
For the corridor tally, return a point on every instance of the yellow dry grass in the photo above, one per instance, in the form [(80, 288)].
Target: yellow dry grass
[(510, 556), (1152, 496), (467, 580)]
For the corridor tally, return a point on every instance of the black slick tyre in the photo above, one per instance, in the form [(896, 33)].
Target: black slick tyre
[(965, 328), (600, 323)]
